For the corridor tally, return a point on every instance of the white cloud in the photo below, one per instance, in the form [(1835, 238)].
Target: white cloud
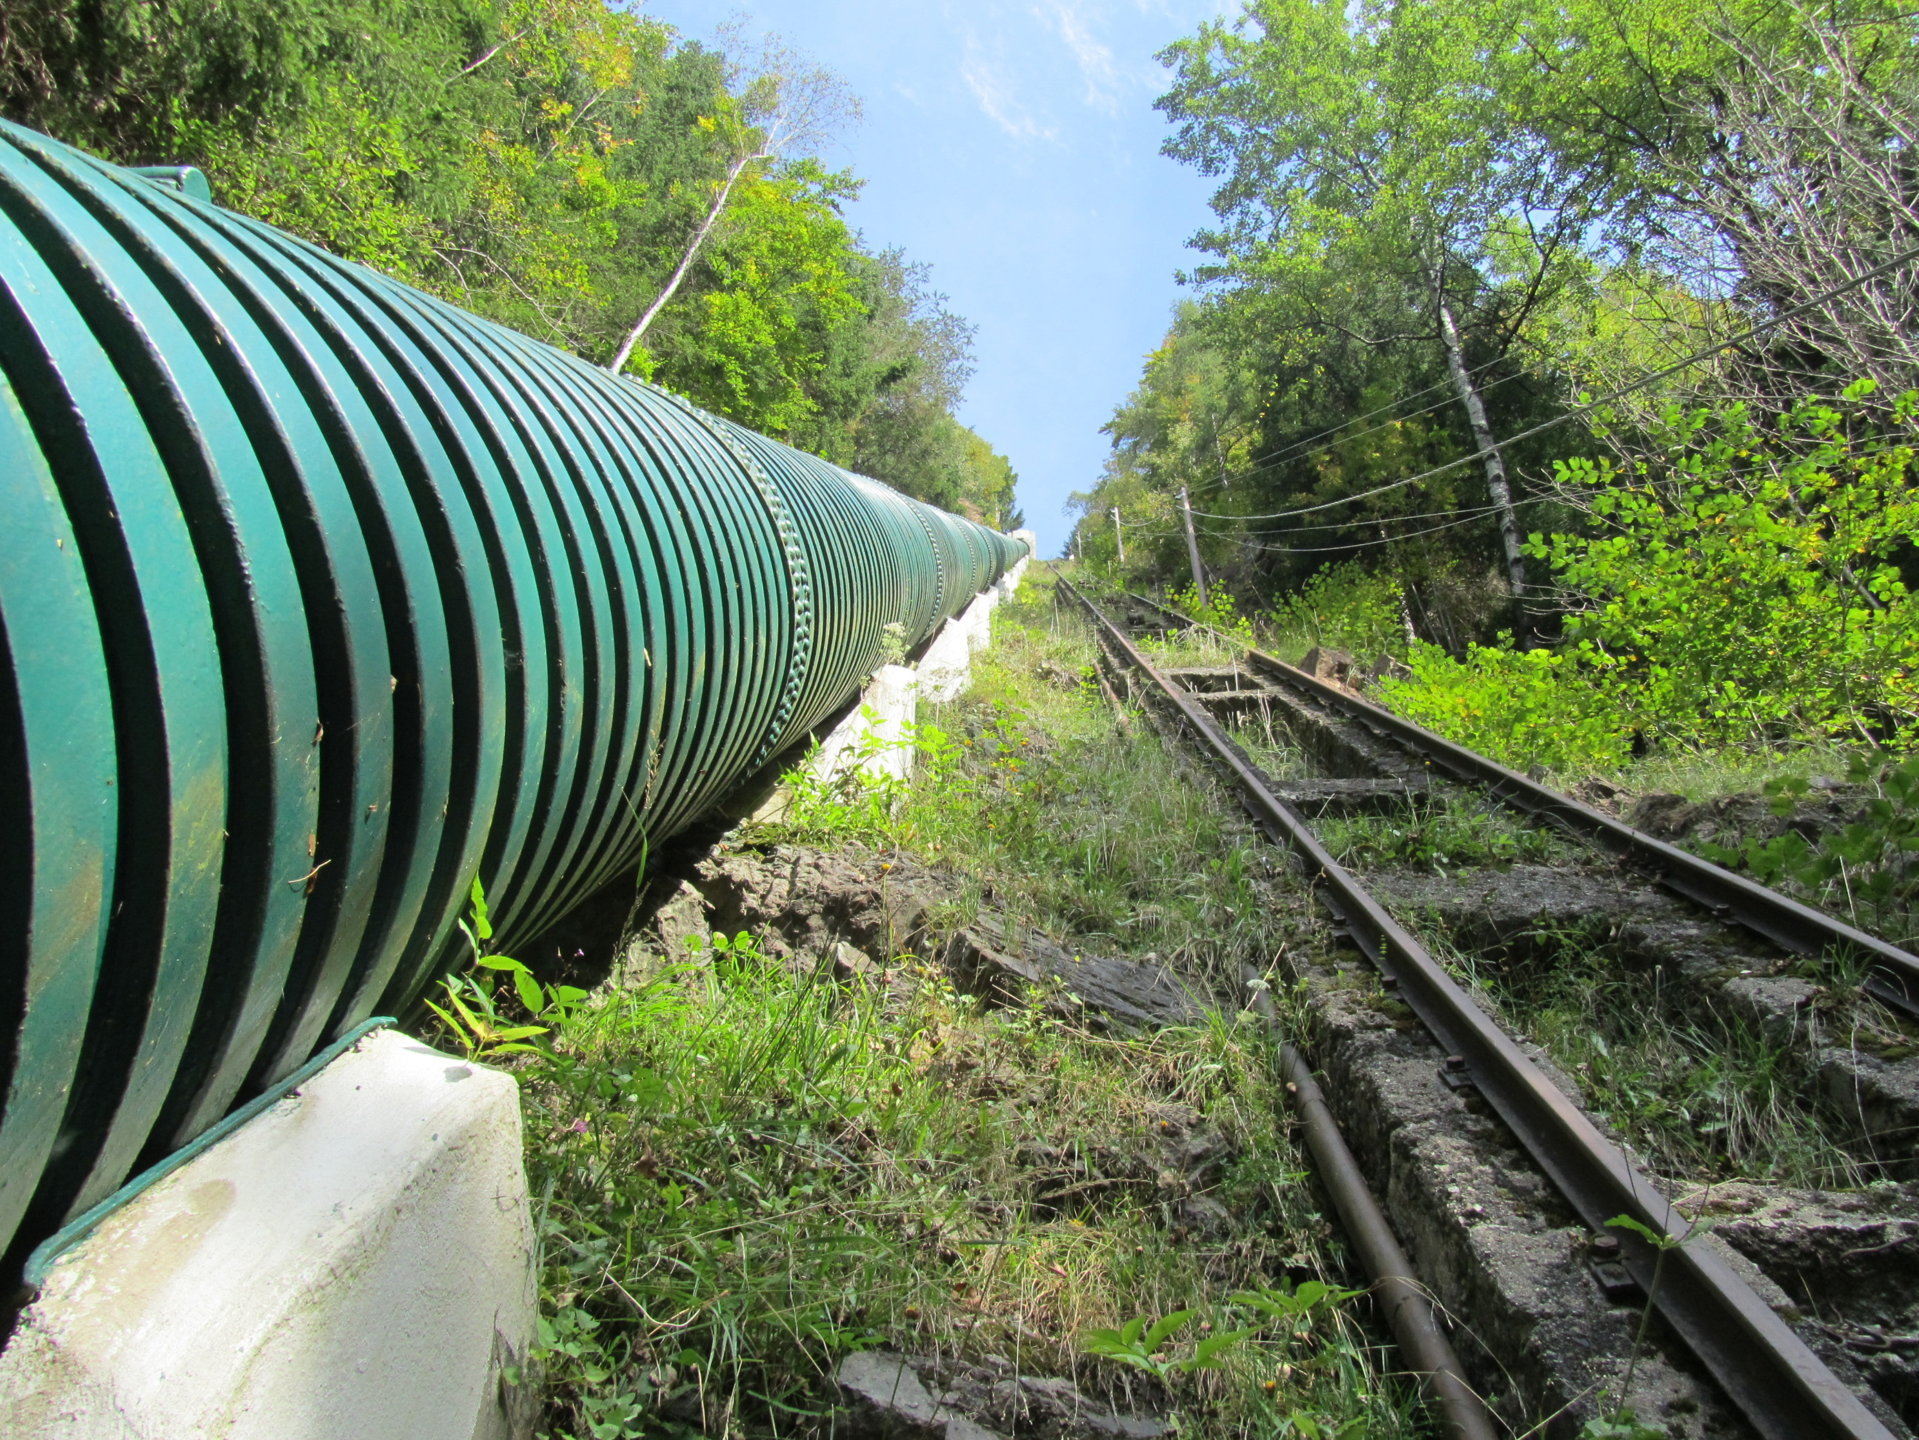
[(1097, 68), (987, 78)]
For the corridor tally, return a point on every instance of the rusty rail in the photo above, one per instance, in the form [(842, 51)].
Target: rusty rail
[(1764, 1368)]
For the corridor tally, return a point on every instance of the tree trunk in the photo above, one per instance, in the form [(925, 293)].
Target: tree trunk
[(1496, 484), (618, 362)]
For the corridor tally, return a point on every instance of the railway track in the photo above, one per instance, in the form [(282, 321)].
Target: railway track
[(1366, 759)]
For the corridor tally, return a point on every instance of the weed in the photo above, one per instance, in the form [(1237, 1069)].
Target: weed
[(1702, 774), (1075, 830), (1298, 1329), (1706, 1097), (472, 1013), (1218, 610), (1865, 872), (748, 1170), (1347, 607), (1441, 834)]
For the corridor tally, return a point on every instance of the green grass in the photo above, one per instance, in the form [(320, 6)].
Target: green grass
[(1702, 775), (1268, 745), (1705, 1096), (1441, 833), (1196, 646), (1026, 787), (745, 1169)]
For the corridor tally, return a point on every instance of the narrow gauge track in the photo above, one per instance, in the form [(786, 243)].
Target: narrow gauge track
[(1762, 1365), (1893, 974), (1875, 1099)]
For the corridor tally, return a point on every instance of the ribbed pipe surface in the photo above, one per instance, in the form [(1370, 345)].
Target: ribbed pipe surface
[(321, 597)]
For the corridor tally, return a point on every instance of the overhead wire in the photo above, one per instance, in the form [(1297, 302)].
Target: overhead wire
[(1260, 463), (1591, 406), (1480, 514), (1220, 533)]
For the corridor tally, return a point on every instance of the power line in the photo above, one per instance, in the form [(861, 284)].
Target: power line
[(1590, 406), (1348, 524), (1260, 462), (1258, 468), (1370, 544)]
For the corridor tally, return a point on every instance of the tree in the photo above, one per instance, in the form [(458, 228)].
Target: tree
[(1369, 156), (1371, 167), (779, 103), (562, 166), (1811, 181)]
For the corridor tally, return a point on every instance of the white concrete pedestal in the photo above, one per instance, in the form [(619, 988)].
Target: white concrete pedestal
[(355, 1263), (877, 728)]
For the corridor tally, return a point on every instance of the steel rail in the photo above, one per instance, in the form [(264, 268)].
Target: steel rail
[(1894, 974), (1785, 1390)]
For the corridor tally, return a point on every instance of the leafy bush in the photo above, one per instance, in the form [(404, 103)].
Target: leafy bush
[(1219, 610), (1866, 871), (1742, 589), (1525, 708), (1745, 585), (1347, 607)]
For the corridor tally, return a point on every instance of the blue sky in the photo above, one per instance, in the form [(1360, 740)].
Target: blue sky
[(1013, 145)]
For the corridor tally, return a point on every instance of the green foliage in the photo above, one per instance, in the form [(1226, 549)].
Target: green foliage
[(1740, 590), (1219, 611), (1522, 707), (545, 163), (748, 1169), (862, 800), (1300, 1323), (1347, 607), (1621, 1424), (1584, 194), (1867, 869), (1139, 1346), (472, 1012), (1440, 834), (1744, 586), (1704, 1095)]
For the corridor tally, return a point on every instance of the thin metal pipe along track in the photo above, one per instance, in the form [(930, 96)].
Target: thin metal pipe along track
[(1763, 1367), (1409, 1309)]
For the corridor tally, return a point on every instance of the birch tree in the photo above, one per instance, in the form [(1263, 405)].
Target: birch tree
[(780, 105), (1372, 171)]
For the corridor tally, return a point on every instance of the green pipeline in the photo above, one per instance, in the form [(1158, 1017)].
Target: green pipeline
[(320, 597)]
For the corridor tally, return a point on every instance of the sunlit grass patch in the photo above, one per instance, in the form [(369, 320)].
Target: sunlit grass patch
[(1704, 1095), (1442, 833), (746, 1170)]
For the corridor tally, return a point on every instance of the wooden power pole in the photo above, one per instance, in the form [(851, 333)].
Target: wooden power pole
[(1192, 548)]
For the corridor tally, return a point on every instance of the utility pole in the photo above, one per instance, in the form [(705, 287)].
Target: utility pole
[(1119, 536), (1192, 548)]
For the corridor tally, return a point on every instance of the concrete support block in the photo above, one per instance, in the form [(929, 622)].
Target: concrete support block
[(947, 663), (873, 738), (876, 728), (355, 1262)]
